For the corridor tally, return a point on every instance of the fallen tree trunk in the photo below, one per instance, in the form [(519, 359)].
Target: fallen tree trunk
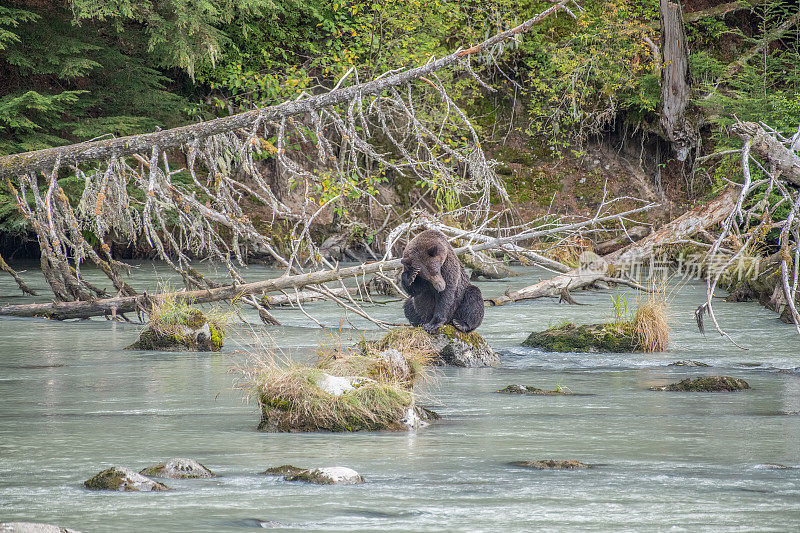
[(635, 234), (278, 300), (716, 11), (769, 37), (600, 270), (487, 267), (127, 304)]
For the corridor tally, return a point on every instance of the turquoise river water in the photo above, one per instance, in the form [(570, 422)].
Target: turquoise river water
[(72, 402)]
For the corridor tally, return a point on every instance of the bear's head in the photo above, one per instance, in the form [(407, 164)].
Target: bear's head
[(424, 256)]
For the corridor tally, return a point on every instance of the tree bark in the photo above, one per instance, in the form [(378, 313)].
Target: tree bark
[(13, 273), (634, 234), (484, 266), (783, 160), (675, 87)]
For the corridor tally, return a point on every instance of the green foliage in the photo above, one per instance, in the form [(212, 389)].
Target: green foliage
[(619, 308), (582, 74), (66, 83), (765, 88)]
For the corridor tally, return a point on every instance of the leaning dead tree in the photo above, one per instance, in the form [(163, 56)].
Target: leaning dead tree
[(182, 192), (770, 165)]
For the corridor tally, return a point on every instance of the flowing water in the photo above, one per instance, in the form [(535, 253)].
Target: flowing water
[(72, 402)]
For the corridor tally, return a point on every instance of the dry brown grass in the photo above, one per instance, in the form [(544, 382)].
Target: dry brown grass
[(291, 400), (650, 320)]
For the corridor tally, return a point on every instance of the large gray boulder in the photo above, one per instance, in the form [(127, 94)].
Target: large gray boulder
[(455, 348), (332, 475), (177, 468)]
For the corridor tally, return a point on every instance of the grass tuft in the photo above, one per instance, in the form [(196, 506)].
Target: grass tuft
[(650, 323), (291, 399)]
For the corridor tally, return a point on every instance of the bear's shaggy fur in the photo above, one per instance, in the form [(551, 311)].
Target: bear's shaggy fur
[(438, 287)]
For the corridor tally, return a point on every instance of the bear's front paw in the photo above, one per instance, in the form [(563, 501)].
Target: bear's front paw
[(460, 326), (431, 327)]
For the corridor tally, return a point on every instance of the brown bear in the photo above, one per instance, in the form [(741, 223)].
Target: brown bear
[(438, 287)]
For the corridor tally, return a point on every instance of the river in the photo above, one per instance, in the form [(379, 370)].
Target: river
[(74, 402)]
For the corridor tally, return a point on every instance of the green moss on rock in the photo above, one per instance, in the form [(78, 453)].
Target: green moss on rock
[(122, 479), (533, 391), (283, 470), (585, 338), (706, 384)]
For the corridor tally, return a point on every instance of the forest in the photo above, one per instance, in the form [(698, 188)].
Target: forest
[(588, 211)]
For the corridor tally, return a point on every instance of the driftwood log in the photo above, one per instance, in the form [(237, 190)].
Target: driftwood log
[(785, 162), (483, 266), (634, 234)]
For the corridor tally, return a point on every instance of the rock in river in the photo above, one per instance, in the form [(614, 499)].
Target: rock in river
[(533, 391), (283, 470), (689, 363), (33, 527), (191, 332), (334, 475), (551, 464), (448, 346), (177, 469), (706, 384), (120, 478), (585, 338)]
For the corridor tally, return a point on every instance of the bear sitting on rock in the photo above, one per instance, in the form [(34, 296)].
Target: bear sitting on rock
[(438, 287)]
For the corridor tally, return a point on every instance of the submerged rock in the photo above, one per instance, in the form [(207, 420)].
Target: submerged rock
[(551, 464), (706, 384), (418, 417), (772, 466), (178, 469), (283, 470), (334, 475), (120, 478), (33, 527), (690, 363), (585, 338), (533, 391), (194, 334), (263, 524)]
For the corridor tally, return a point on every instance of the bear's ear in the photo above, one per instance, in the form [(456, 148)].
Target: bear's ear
[(433, 251)]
